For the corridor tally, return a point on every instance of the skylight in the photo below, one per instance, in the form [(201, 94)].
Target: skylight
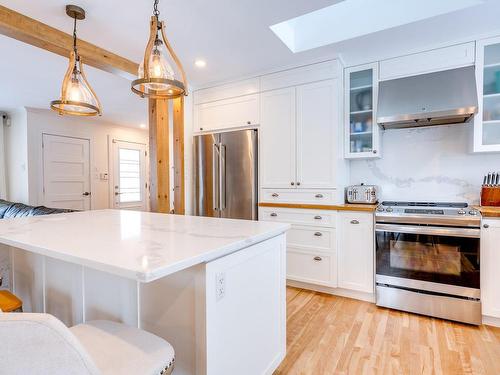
[(353, 18)]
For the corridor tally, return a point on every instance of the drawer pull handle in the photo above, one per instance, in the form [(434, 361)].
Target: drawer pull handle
[(354, 222), (486, 226), (274, 214), (319, 195), (318, 234), (275, 195), (318, 259), (317, 217)]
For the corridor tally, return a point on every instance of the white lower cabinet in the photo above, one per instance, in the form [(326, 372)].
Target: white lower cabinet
[(328, 248), (311, 243), (490, 264), (311, 267), (356, 251)]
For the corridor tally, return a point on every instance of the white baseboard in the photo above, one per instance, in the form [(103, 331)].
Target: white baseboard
[(368, 297), (491, 321)]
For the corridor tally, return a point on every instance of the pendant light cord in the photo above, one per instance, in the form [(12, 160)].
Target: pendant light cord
[(77, 58), (156, 12)]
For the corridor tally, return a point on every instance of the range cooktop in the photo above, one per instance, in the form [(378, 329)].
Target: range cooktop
[(428, 213)]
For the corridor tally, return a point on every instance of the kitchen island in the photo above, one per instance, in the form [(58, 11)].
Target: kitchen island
[(214, 288)]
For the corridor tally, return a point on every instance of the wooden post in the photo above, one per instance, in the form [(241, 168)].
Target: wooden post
[(159, 184), (178, 122)]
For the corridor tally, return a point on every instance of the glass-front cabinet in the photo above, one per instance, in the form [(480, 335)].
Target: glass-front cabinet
[(361, 130), (487, 120)]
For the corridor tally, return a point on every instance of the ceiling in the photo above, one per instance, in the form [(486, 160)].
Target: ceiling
[(233, 36)]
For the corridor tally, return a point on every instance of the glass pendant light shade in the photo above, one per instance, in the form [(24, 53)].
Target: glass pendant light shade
[(77, 97), (160, 75)]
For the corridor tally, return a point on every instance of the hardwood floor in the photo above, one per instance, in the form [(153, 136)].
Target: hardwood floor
[(334, 335)]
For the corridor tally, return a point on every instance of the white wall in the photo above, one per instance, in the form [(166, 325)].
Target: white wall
[(432, 164), (99, 134), (16, 156)]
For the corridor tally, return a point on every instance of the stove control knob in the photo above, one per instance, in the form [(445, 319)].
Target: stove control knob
[(474, 212), (462, 212), (389, 209), (380, 209)]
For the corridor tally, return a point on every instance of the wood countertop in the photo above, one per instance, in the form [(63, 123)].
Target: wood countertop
[(337, 207), (488, 211)]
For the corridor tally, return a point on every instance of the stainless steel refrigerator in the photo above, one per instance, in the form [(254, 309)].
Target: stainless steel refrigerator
[(226, 174)]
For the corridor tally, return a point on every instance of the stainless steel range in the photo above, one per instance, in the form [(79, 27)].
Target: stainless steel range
[(427, 259)]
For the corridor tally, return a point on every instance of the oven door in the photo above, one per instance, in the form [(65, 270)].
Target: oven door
[(441, 260)]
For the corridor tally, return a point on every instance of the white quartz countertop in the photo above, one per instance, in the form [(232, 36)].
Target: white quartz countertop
[(143, 246)]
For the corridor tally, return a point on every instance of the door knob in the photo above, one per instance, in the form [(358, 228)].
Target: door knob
[(86, 194)]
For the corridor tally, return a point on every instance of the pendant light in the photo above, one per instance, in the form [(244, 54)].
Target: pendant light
[(156, 77), (77, 97)]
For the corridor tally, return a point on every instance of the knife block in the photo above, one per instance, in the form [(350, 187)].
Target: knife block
[(490, 196)]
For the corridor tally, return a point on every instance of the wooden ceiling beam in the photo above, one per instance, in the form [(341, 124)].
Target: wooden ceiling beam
[(28, 30)]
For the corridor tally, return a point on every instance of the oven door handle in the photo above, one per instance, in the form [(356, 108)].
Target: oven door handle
[(432, 231)]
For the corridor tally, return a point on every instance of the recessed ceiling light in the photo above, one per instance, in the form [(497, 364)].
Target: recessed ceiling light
[(142, 126), (200, 63)]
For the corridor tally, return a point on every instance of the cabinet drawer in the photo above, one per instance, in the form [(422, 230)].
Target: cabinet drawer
[(319, 238), (311, 268), (317, 218), (308, 196)]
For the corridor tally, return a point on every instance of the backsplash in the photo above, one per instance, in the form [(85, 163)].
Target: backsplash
[(431, 164)]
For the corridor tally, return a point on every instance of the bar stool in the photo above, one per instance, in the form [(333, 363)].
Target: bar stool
[(44, 345), (9, 302)]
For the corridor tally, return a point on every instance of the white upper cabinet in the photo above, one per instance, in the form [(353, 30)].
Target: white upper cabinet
[(490, 260), (356, 251), (277, 139), (298, 76), (487, 120), (317, 133), (228, 90), (227, 113), (299, 127), (362, 134), (429, 61)]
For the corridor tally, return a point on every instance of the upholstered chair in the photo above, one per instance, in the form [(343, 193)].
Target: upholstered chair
[(41, 344)]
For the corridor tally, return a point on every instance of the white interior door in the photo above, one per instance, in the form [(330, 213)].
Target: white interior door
[(66, 172), (129, 175)]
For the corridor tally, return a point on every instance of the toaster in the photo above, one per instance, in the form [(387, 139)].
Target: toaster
[(364, 194)]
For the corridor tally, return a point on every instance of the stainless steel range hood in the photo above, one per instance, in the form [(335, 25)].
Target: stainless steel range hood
[(440, 98)]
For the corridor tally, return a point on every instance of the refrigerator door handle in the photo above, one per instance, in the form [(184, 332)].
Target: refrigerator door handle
[(222, 176), (215, 177)]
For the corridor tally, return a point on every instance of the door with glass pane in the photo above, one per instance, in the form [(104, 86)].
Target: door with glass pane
[(129, 175), (487, 121), (362, 131)]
